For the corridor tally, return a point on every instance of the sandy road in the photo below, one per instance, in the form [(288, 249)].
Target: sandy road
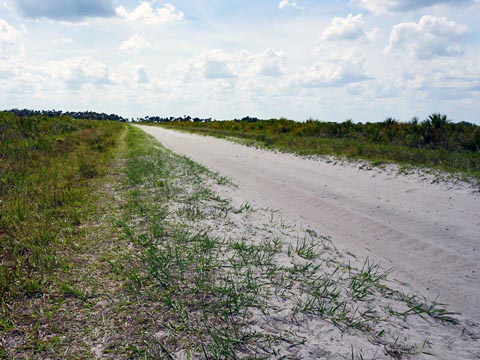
[(428, 233)]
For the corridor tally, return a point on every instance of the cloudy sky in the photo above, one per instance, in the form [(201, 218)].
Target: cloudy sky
[(329, 59)]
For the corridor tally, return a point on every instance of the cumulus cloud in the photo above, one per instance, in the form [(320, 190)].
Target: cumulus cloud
[(336, 69), (210, 64), (80, 71), (379, 89), (134, 44), (268, 63), (385, 6), (131, 75), (9, 40), (148, 14), (444, 74), (70, 10), (430, 37), (349, 28), (289, 4), (12, 56), (141, 76), (218, 64)]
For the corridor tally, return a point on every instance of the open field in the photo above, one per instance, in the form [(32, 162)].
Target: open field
[(167, 259)]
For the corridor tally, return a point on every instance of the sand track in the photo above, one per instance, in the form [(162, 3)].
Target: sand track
[(429, 233)]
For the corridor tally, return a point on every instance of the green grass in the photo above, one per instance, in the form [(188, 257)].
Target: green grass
[(47, 170), (435, 143), (179, 269)]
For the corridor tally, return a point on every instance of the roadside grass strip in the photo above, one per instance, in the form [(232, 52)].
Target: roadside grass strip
[(51, 170), (219, 279)]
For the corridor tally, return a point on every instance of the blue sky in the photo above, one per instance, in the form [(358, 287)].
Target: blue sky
[(329, 60)]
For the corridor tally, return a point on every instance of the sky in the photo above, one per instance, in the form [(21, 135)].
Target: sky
[(330, 60)]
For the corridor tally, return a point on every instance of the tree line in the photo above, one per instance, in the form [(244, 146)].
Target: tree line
[(80, 115), (437, 131), (92, 115)]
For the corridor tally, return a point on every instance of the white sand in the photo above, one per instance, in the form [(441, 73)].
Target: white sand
[(429, 233)]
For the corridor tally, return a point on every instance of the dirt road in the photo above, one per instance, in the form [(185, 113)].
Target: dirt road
[(430, 234)]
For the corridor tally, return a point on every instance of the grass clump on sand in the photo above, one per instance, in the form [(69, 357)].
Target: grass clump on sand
[(435, 142), (178, 268)]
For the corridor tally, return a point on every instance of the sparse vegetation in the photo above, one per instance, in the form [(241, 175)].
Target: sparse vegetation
[(208, 282)]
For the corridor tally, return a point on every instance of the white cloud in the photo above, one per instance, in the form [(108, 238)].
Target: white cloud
[(146, 13), (134, 44), (329, 75), (130, 75), (428, 38), (7, 5), (141, 76), (63, 40), (6, 70), (443, 75), (66, 9), (269, 63), (210, 64), (386, 6), (12, 57), (80, 71), (349, 28), (377, 89), (218, 64), (9, 40), (338, 68), (289, 4)]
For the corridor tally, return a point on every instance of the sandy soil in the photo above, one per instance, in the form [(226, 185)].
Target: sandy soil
[(430, 233)]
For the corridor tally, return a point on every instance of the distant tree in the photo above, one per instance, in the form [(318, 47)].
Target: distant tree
[(390, 121)]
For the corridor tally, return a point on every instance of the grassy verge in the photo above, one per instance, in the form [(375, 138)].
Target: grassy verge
[(179, 277), (50, 170), (453, 160), (47, 168)]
